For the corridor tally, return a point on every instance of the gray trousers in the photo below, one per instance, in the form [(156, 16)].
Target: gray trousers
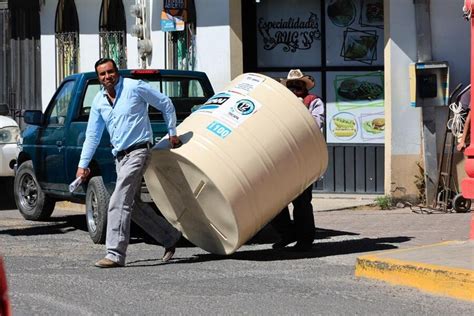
[(125, 204)]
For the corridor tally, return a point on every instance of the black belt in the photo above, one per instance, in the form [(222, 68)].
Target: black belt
[(124, 152)]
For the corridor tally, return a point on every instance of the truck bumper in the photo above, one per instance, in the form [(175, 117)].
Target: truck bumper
[(8, 156)]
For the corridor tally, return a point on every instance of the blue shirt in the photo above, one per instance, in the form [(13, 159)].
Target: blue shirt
[(127, 119)]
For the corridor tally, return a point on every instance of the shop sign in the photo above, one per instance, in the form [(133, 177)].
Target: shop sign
[(291, 33)]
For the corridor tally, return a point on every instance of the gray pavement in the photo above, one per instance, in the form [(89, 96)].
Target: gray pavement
[(50, 269), (445, 268)]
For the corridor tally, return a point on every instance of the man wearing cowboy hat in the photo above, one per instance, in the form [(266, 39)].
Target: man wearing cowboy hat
[(302, 228)]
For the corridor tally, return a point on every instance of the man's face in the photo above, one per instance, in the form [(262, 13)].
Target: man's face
[(107, 75), (298, 87)]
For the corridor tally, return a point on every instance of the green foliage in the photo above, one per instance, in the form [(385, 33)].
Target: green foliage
[(384, 202)]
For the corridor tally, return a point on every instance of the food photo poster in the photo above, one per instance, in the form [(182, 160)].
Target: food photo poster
[(355, 107)]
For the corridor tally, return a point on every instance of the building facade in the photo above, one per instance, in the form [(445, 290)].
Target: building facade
[(358, 51)]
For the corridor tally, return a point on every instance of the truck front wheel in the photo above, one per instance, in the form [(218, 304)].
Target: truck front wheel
[(97, 203), (31, 201)]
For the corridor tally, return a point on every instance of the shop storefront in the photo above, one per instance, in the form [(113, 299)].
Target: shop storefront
[(341, 44)]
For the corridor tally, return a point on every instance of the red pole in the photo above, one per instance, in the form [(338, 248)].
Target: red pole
[(467, 184), (5, 308)]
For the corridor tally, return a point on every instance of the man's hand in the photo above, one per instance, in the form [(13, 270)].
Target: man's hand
[(83, 173), (175, 142)]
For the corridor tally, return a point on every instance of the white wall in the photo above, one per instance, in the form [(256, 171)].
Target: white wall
[(451, 38), (48, 52), (402, 43), (212, 40), (450, 42)]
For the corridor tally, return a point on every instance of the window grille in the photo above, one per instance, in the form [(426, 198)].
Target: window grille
[(67, 39), (112, 32), (67, 46), (112, 45)]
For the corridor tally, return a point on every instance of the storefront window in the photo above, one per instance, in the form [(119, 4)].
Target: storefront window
[(341, 44), (354, 32)]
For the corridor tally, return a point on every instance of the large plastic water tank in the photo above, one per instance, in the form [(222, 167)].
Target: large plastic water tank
[(246, 154)]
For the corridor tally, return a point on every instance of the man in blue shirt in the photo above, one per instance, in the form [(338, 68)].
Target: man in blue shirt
[(121, 106)]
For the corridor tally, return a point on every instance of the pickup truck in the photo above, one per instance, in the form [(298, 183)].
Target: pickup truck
[(52, 144)]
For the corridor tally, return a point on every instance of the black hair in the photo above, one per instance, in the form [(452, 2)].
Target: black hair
[(102, 61)]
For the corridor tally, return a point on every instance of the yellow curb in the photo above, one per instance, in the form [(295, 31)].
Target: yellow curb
[(452, 282)]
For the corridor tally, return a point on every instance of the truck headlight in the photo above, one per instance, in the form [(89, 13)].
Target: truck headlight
[(9, 135)]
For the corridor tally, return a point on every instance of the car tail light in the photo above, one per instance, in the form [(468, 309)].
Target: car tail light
[(144, 71)]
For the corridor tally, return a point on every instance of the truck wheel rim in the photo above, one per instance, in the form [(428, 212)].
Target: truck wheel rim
[(28, 192), (92, 213)]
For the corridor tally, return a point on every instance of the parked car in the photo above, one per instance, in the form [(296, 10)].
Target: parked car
[(52, 144), (9, 134)]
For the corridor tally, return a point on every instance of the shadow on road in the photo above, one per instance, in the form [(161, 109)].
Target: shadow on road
[(54, 225), (319, 250), (65, 224), (68, 223)]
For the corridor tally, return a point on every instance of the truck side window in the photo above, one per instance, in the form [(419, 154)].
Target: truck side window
[(195, 89), (92, 88), (60, 104)]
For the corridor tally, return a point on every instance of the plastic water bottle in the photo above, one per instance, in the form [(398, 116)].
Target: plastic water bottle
[(74, 184)]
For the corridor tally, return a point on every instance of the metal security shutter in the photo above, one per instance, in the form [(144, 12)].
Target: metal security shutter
[(354, 169), (20, 58)]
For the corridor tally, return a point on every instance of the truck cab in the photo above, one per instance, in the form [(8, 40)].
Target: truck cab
[(52, 144)]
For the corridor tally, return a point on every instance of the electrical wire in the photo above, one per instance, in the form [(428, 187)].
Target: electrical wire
[(456, 123)]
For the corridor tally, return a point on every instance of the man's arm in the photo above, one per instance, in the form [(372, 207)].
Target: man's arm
[(95, 128), (163, 103), (467, 125), (317, 111)]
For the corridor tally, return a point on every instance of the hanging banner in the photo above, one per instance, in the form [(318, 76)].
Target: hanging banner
[(171, 23), (176, 13)]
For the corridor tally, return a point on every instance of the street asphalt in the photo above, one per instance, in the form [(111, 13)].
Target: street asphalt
[(365, 261), (445, 268)]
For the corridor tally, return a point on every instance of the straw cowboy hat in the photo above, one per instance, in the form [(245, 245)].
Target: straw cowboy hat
[(295, 75)]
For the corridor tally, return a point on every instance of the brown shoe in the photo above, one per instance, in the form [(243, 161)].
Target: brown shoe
[(107, 263), (169, 252)]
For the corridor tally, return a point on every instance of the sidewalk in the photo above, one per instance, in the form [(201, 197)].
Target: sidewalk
[(444, 269), (323, 202)]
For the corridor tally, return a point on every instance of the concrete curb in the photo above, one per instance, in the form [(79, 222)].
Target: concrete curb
[(433, 278)]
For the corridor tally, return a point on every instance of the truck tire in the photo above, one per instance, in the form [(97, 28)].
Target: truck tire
[(97, 203), (30, 199)]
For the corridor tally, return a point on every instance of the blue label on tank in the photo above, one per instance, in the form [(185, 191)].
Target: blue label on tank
[(219, 129), (207, 107)]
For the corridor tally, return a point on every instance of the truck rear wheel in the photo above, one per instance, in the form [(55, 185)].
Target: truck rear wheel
[(97, 203), (31, 201)]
